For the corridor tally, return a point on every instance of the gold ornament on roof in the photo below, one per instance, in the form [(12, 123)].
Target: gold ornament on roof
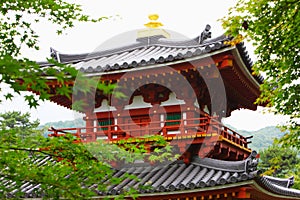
[(153, 17), (153, 23)]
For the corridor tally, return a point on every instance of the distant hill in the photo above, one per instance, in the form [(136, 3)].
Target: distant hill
[(66, 124), (76, 123), (262, 138)]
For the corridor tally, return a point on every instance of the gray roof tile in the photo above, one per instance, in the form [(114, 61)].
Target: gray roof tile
[(277, 187), (139, 54), (174, 177), (147, 52)]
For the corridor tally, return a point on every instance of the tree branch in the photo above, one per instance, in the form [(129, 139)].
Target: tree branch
[(29, 150)]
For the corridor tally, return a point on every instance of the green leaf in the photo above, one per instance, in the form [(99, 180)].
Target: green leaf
[(8, 96)]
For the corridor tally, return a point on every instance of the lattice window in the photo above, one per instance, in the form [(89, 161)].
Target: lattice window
[(104, 123), (173, 116)]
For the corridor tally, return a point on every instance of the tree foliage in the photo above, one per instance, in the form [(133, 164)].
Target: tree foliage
[(273, 27), (71, 169), (280, 162), (18, 32), (21, 143)]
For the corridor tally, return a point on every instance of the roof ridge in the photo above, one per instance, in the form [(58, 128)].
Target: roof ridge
[(285, 182), (162, 42), (267, 183), (247, 165)]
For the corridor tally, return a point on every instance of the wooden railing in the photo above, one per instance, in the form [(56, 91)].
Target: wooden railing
[(204, 126)]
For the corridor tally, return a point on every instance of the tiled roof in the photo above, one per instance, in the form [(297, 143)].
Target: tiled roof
[(177, 176), (247, 60), (146, 53), (199, 173), (141, 53), (29, 189), (279, 185)]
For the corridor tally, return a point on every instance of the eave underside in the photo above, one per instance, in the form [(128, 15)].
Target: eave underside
[(240, 91)]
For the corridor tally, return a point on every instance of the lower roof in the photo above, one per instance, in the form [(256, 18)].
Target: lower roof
[(200, 176)]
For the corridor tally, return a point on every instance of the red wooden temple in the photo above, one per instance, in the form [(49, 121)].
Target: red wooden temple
[(179, 90)]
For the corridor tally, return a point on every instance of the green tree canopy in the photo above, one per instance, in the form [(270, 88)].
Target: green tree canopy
[(22, 145), (70, 168), (273, 28), (280, 162), (18, 31)]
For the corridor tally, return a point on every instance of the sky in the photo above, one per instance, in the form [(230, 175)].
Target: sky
[(187, 18)]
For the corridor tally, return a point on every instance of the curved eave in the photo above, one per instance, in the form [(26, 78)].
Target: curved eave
[(219, 189), (236, 50), (162, 42), (156, 65), (62, 101), (245, 70), (233, 186), (199, 191), (247, 61), (268, 184), (163, 64), (238, 57), (241, 83), (258, 188)]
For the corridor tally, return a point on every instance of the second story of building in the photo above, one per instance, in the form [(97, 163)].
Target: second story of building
[(176, 88)]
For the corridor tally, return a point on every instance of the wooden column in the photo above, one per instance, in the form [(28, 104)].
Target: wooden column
[(243, 193), (89, 123)]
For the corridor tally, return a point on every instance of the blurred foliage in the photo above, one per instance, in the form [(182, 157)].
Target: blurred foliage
[(281, 162), (273, 28), (74, 167), (18, 32)]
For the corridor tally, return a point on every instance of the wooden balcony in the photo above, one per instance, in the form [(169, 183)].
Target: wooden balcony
[(195, 130)]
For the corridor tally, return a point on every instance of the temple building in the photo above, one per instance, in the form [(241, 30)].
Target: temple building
[(178, 89)]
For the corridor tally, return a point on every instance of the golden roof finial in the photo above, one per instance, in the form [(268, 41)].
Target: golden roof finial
[(153, 23)]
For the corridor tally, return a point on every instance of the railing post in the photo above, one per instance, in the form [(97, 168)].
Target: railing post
[(78, 132), (181, 128), (164, 129), (146, 132), (109, 133), (207, 124), (225, 134), (55, 133)]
